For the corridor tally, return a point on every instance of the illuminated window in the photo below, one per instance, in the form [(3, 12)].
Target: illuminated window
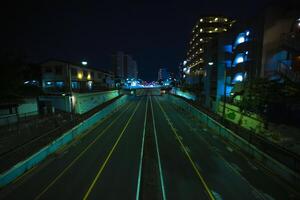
[(241, 38), (240, 58), (238, 77)]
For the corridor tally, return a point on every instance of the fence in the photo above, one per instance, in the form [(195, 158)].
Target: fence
[(282, 162), (68, 136)]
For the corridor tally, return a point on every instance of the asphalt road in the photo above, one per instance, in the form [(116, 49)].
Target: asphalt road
[(148, 149)]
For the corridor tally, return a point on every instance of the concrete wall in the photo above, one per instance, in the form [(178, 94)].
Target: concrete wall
[(187, 95), (251, 122), (17, 170), (85, 102), (58, 102), (28, 108), (277, 168)]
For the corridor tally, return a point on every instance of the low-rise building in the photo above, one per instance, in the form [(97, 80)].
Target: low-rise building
[(63, 77)]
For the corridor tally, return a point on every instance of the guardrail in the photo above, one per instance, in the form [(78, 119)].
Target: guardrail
[(21, 167), (281, 162)]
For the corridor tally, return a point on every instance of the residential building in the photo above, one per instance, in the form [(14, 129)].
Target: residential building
[(63, 77), (206, 28), (281, 42), (163, 74), (265, 46), (124, 66)]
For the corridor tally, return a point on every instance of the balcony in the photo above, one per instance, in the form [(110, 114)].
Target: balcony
[(285, 69), (291, 41)]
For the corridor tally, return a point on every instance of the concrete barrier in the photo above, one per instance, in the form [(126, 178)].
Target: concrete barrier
[(17, 170), (267, 161), (185, 94)]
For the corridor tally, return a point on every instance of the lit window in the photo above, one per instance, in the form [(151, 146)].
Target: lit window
[(216, 19), (240, 40), (216, 29), (201, 30), (238, 77), (201, 39), (79, 75), (201, 20), (239, 60)]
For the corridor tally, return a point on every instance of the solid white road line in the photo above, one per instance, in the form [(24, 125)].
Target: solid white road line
[(158, 156), (142, 154)]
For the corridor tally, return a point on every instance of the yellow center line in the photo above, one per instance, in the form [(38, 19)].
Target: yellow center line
[(110, 153), (186, 153), (79, 156)]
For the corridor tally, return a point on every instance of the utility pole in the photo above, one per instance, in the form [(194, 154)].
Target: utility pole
[(69, 90)]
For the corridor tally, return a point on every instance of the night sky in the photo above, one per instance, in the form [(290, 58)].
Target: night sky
[(155, 34)]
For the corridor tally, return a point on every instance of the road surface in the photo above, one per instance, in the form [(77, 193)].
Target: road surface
[(148, 149)]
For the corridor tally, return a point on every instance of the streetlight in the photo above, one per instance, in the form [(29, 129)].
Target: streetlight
[(84, 63)]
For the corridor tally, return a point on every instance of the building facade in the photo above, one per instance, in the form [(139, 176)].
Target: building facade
[(163, 74), (124, 66), (266, 46), (206, 28), (64, 77)]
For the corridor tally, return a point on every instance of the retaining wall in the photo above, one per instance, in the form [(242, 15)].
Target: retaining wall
[(85, 102), (276, 167), (187, 95), (68, 136)]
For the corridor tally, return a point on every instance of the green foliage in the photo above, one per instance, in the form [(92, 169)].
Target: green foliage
[(260, 94)]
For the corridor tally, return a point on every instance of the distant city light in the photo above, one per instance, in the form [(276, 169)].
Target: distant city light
[(84, 62), (184, 62), (247, 33), (210, 63)]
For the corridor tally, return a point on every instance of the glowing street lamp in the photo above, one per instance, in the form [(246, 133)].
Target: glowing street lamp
[(84, 63)]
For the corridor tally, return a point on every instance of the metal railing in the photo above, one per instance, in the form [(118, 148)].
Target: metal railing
[(277, 152)]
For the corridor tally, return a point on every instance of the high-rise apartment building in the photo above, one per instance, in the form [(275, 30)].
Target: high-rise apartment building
[(205, 29), (124, 66), (163, 74)]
